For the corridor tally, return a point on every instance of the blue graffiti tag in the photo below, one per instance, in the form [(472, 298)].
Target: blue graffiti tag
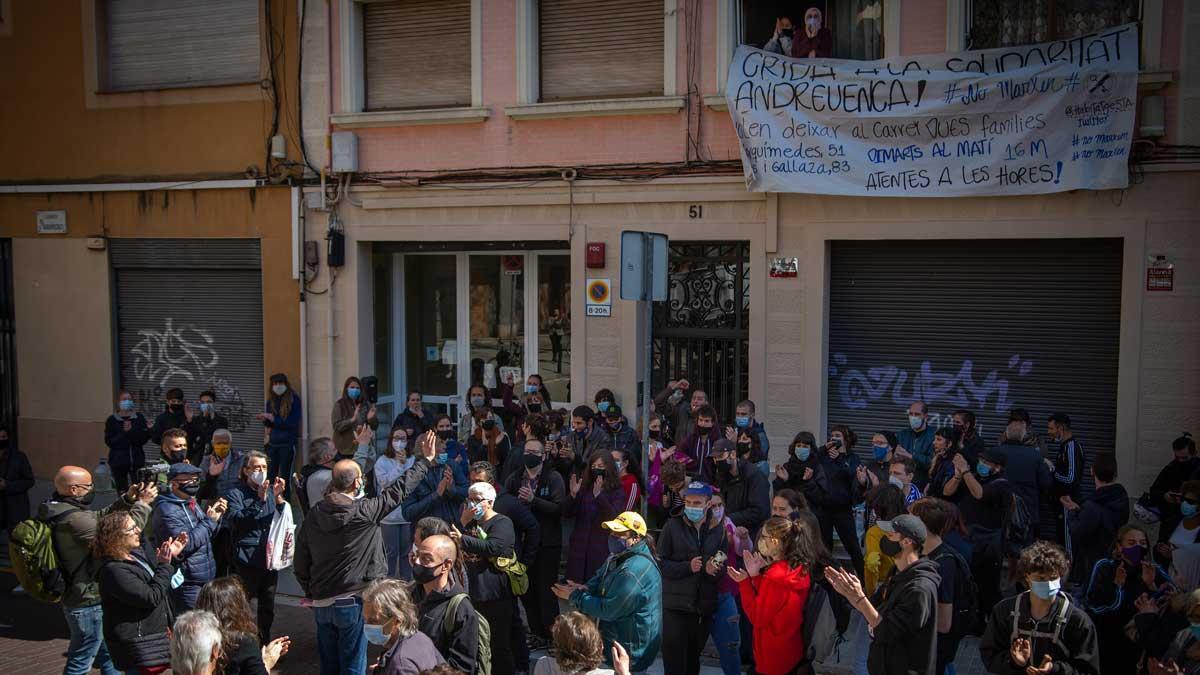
[(858, 389)]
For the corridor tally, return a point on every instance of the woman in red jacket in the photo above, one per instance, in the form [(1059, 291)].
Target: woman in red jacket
[(774, 588)]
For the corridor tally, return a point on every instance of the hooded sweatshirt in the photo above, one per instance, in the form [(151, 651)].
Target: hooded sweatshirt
[(906, 637), (774, 603), (1075, 651), (1094, 526), (339, 549)]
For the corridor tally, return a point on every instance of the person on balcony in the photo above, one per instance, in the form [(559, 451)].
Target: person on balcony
[(814, 40)]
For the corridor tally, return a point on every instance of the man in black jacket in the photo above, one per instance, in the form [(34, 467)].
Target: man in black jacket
[(903, 613), (447, 616), (1041, 629), (690, 572), (529, 536), (172, 417), (200, 425), (339, 550), (487, 536), (744, 486), (1094, 524), (545, 493), (575, 447), (1025, 468)]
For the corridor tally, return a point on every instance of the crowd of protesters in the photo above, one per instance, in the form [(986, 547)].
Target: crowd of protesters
[(530, 528)]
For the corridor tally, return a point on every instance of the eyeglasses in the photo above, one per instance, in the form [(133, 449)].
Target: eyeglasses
[(133, 529), (86, 486)]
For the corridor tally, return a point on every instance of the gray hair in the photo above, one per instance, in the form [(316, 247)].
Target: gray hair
[(391, 598), (322, 450), (483, 491), (223, 433), (193, 638)]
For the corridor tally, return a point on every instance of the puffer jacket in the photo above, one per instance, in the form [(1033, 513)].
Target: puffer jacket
[(74, 530), (173, 515), (625, 596), (680, 542), (774, 602)]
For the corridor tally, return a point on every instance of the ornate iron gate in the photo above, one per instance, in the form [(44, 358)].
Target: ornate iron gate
[(702, 331)]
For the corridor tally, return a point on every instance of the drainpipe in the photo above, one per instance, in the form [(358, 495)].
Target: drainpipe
[(300, 217)]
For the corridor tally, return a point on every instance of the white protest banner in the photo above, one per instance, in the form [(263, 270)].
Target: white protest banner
[(1013, 121)]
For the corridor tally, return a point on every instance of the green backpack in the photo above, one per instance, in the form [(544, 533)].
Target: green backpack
[(34, 560), (483, 655)]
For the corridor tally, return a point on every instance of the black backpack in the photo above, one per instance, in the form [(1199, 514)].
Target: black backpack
[(1017, 532), (966, 595)]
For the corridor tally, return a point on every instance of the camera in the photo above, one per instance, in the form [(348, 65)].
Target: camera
[(150, 474), (370, 385), (835, 444), (719, 558)]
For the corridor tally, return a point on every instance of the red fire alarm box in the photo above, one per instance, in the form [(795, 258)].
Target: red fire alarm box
[(594, 258)]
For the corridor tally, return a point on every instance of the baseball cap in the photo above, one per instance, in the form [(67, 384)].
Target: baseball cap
[(908, 526), (698, 488), (994, 456), (723, 445), (182, 469), (613, 412), (627, 522)]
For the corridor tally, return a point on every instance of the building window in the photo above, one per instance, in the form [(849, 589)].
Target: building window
[(595, 50), (163, 44), (1002, 23), (416, 54), (856, 25)]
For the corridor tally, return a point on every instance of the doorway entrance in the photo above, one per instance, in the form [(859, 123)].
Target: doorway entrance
[(446, 319)]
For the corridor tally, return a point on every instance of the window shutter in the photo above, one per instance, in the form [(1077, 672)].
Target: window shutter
[(417, 54), (158, 44), (601, 48)]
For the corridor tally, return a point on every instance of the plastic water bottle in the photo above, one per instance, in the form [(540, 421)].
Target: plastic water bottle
[(102, 480)]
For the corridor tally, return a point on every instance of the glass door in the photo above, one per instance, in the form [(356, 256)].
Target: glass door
[(552, 352), (496, 319), (431, 325)]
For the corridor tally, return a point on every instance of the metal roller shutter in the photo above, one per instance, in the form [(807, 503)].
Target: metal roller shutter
[(192, 318), (601, 48), (417, 54), (985, 325), (154, 44)]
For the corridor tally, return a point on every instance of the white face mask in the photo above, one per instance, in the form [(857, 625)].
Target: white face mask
[(399, 445), (279, 389), (813, 22), (257, 477)]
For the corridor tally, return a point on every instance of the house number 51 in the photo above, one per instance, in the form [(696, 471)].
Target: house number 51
[(696, 211)]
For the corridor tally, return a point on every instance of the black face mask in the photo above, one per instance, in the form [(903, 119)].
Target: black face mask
[(190, 489), (446, 435), (488, 424), (655, 435), (599, 473), (533, 461), (175, 407), (889, 548), (785, 32), (84, 500), (423, 575), (4, 444), (535, 407)]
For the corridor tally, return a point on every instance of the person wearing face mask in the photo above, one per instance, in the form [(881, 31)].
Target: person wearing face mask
[(1030, 437), (781, 39), (443, 488), (695, 448), (173, 416), (1187, 530), (584, 438), (842, 468), (415, 416), (125, 432), (253, 503), (448, 618), (966, 435), (1095, 522), (391, 621), (1160, 622), (902, 614), (339, 550), (745, 488), (313, 480), (350, 412), (874, 472), (544, 492), (621, 436), (595, 498), (200, 425), (987, 496), (680, 404), (745, 423), (955, 597), (726, 625), (490, 444), (532, 400), (774, 588), (813, 41), (67, 512), (16, 480), (630, 474), (477, 399), (397, 531), (174, 448), (1043, 628), (1026, 470), (915, 440), (625, 595), (281, 416), (803, 471), (1114, 587), (691, 567), (1067, 473), (1164, 492), (177, 512), (484, 537), (900, 474), (1183, 654), (941, 468)]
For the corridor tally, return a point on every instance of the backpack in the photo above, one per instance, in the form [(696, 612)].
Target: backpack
[(35, 560), (483, 654), (820, 627), (966, 596), (1055, 634), (1017, 528)]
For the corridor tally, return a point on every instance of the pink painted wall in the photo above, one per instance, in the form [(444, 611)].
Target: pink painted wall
[(502, 142)]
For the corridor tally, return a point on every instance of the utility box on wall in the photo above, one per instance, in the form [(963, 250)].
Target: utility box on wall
[(594, 255)]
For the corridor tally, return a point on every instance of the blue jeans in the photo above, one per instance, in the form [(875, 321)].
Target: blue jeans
[(341, 641), (861, 640), (397, 540), (280, 458), (87, 642), (726, 633)]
